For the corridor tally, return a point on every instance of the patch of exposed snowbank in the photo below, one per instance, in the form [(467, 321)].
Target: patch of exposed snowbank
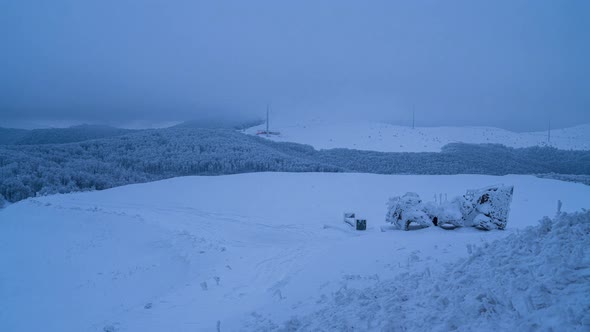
[(535, 279)]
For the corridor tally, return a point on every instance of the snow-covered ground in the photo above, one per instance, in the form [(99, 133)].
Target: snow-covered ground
[(391, 138), (247, 252), (534, 280)]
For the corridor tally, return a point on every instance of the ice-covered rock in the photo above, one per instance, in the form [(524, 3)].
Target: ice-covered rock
[(403, 210), (488, 208), (485, 208)]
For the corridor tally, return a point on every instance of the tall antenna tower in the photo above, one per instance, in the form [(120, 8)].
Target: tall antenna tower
[(549, 132), (267, 111), (413, 117), (267, 132)]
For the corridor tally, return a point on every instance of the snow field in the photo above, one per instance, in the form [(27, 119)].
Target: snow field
[(238, 252), (385, 137), (537, 279)]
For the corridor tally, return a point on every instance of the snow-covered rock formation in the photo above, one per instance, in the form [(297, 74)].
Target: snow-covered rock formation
[(485, 208)]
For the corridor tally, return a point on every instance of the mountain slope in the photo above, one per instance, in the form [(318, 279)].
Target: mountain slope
[(32, 170), (12, 135), (391, 138), (69, 135)]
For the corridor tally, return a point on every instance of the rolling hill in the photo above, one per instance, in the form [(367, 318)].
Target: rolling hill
[(385, 137)]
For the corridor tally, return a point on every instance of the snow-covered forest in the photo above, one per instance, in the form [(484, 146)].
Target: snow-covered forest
[(40, 169), (59, 135), (30, 170)]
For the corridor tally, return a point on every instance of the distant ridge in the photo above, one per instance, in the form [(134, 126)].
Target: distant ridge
[(383, 137), (12, 135), (79, 133), (148, 155), (219, 124)]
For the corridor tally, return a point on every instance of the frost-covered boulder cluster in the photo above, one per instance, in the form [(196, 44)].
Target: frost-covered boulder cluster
[(485, 208)]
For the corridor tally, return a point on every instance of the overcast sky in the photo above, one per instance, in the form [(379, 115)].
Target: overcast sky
[(512, 64)]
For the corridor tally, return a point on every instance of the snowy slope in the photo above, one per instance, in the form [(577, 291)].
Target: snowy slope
[(533, 280), (390, 138), (228, 252)]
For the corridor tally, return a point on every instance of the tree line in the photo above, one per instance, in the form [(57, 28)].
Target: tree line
[(149, 155)]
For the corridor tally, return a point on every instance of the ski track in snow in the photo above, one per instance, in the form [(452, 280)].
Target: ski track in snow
[(161, 256)]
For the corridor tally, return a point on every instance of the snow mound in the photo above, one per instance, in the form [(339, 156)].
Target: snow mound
[(537, 279)]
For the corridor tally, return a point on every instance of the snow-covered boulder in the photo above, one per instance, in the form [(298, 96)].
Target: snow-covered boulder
[(403, 210), (489, 207), (449, 213), (485, 208)]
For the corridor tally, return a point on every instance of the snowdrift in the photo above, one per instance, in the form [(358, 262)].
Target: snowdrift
[(535, 279)]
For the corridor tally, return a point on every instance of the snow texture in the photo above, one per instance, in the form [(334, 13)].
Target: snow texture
[(247, 252), (534, 280)]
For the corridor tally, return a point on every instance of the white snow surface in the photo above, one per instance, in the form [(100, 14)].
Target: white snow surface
[(383, 137), (251, 251), (538, 279)]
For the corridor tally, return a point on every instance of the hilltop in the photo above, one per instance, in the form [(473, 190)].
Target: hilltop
[(383, 137)]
